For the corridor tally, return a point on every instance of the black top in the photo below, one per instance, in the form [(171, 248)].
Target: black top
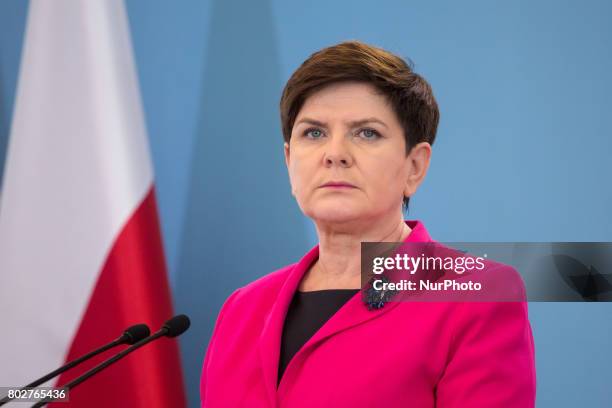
[(307, 312)]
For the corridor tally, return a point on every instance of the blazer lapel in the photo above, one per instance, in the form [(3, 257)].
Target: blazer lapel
[(270, 339), (352, 313)]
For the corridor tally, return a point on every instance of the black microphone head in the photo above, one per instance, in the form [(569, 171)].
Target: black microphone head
[(176, 325), (135, 333)]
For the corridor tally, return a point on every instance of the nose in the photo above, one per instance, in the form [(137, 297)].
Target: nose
[(337, 153)]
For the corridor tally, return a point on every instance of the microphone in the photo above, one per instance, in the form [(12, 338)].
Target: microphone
[(131, 335), (172, 328)]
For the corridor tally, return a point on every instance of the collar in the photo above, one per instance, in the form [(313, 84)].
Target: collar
[(352, 313)]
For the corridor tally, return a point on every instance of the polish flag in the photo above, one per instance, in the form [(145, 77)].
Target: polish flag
[(81, 256)]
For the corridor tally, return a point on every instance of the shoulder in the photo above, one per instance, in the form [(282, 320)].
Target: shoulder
[(502, 282), (499, 282), (263, 289), (500, 305)]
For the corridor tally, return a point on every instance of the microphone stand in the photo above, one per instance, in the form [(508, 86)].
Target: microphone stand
[(103, 365)]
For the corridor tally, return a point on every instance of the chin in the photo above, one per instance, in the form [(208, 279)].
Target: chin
[(335, 213)]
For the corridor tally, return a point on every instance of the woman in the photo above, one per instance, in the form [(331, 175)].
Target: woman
[(358, 125)]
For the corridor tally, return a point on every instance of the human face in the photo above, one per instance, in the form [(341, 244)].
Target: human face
[(347, 156)]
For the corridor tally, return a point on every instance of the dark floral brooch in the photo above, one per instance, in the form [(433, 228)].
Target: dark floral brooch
[(376, 299)]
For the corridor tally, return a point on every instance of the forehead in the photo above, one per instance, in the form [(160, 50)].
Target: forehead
[(349, 100)]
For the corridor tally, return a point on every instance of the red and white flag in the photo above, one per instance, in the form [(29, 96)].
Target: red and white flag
[(81, 254)]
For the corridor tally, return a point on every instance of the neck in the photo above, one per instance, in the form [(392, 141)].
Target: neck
[(339, 263)]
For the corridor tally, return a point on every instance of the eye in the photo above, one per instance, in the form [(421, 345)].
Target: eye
[(369, 134), (313, 133)]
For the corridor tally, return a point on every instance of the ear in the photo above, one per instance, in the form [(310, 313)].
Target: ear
[(417, 163), (286, 145), (287, 157)]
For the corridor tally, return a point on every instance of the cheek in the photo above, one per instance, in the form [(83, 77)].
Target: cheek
[(387, 175), (299, 174)]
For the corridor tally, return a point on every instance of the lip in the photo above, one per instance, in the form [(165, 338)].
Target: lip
[(338, 184)]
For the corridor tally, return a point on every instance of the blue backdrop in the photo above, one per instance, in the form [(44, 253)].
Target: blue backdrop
[(522, 154)]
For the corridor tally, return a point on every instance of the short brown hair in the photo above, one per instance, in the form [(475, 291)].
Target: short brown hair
[(410, 95)]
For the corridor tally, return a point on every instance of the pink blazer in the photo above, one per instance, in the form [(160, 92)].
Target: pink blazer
[(406, 354)]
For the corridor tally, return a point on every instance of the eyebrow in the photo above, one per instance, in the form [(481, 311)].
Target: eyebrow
[(353, 123)]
